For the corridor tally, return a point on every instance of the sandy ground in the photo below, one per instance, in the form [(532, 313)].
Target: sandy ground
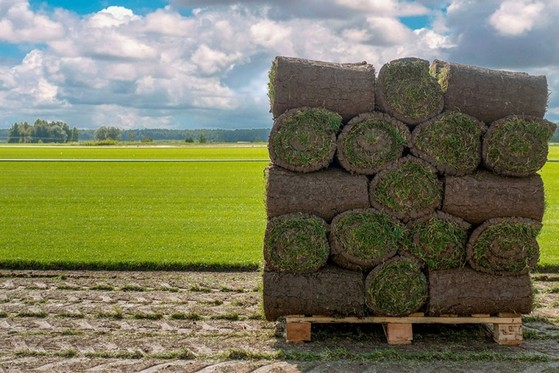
[(60, 321)]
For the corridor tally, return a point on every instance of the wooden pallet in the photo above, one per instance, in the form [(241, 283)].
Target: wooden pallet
[(506, 328)]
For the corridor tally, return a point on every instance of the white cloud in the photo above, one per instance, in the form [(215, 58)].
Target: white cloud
[(210, 68), (514, 17), (112, 16)]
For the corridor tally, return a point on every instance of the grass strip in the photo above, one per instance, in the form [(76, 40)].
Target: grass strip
[(409, 91), (362, 239), (370, 141), (296, 243), (517, 145), (438, 241), (396, 288), (451, 142), (304, 139), (407, 188), (505, 246)]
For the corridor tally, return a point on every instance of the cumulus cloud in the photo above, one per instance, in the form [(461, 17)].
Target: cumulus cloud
[(514, 18), (208, 68)]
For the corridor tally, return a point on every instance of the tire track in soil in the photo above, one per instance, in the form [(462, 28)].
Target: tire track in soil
[(75, 321)]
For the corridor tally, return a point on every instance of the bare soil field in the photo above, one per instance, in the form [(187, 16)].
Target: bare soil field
[(54, 321)]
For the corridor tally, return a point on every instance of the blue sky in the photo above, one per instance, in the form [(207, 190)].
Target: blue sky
[(204, 63)]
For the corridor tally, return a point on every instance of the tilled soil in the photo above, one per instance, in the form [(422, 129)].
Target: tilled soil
[(60, 321)]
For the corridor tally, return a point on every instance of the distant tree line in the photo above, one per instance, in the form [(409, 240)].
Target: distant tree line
[(24, 132), (42, 132), (199, 135)]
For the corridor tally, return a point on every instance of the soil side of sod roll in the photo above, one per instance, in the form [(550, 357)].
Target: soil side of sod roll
[(396, 288), (438, 241), (344, 88), (451, 142), (304, 139), (504, 246), (408, 189), (464, 291), (517, 145), (331, 291), (489, 95), (362, 239), (484, 195), (325, 193), (408, 92), (370, 141), (296, 243)]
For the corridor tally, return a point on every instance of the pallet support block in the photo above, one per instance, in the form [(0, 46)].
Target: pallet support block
[(398, 334), (297, 332)]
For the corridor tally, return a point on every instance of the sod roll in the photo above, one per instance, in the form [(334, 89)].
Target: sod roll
[(304, 139), (504, 246), (517, 145), (451, 142), (407, 189), (331, 291), (484, 195), (362, 239), (324, 193), (344, 88), (407, 91), (296, 243), (438, 240), (396, 288), (465, 292), (370, 141), (490, 94)]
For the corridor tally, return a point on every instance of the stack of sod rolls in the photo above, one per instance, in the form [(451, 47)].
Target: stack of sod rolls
[(413, 191)]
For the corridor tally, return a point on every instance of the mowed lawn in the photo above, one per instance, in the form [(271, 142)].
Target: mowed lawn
[(189, 207), (133, 214)]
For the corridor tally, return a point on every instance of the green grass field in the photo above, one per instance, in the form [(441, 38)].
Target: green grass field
[(190, 207), (126, 215)]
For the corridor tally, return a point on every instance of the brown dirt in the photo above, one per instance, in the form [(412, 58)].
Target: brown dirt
[(57, 322)]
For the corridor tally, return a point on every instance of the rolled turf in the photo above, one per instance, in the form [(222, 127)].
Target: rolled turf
[(362, 239), (324, 193), (517, 145), (407, 91), (438, 240), (396, 288), (296, 243), (370, 141), (464, 291), (504, 246), (451, 142), (344, 88), (484, 195), (330, 291), (304, 139), (489, 95), (407, 189)]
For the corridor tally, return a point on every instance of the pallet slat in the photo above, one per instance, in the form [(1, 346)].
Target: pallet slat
[(506, 328)]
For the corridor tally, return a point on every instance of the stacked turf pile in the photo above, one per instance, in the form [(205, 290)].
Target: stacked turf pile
[(414, 191)]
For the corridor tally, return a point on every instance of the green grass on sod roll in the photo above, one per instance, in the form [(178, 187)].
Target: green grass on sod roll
[(304, 138), (367, 236), (439, 241), (368, 145), (410, 89), (516, 145), (505, 245), (408, 188), (396, 288), (451, 142), (296, 243)]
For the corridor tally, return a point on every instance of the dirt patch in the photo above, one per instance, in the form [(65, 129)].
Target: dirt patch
[(191, 321)]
